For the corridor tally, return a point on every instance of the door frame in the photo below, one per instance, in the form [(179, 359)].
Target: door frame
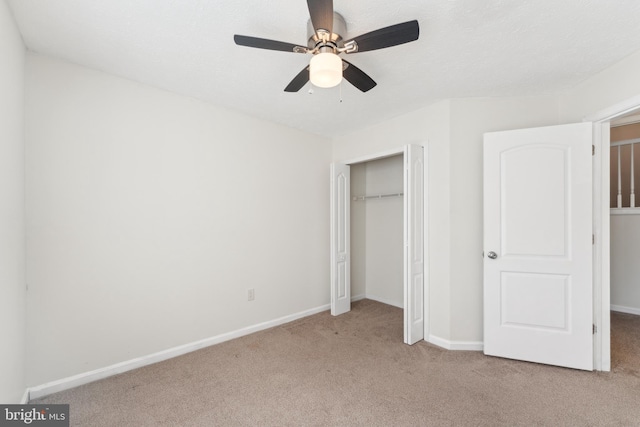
[(601, 228), (402, 150)]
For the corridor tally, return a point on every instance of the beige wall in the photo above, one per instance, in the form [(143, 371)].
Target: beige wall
[(12, 242), (622, 133)]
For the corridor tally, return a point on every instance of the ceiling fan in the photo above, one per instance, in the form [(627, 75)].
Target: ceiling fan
[(325, 42)]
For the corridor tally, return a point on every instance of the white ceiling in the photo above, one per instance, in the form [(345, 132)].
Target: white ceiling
[(467, 48)]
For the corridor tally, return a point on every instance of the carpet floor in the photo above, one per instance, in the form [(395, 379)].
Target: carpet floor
[(354, 370)]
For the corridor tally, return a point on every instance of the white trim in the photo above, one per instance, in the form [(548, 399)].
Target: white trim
[(625, 211), (384, 301), (425, 228), (456, 345), (628, 310), (25, 397), (118, 368), (358, 297), (601, 247), (380, 155)]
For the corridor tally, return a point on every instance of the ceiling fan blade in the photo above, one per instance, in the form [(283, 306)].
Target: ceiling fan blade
[(298, 81), (357, 77), (385, 37), (321, 12), (268, 44)]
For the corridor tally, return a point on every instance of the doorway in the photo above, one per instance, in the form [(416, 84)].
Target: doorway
[(625, 238), (602, 226), (625, 214), (384, 181)]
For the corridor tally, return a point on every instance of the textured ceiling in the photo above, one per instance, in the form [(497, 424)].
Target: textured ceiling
[(467, 48)]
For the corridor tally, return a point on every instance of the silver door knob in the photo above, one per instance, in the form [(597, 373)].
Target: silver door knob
[(492, 255)]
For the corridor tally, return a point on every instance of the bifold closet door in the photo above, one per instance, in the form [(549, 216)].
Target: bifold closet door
[(414, 244), (340, 242)]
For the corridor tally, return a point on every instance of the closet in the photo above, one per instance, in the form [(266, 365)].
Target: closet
[(377, 212), (378, 234)]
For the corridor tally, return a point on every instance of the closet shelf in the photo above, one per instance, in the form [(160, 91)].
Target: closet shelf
[(378, 196)]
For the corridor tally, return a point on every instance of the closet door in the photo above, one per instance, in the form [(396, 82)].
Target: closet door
[(414, 244), (340, 243)]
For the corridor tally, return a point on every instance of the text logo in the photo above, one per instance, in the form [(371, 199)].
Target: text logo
[(34, 415)]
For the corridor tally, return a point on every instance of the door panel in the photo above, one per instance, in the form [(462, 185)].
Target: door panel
[(340, 239), (531, 194), (538, 231)]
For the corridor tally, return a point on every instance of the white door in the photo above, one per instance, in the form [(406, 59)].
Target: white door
[(414, 244), (538, 245), (340, 243)]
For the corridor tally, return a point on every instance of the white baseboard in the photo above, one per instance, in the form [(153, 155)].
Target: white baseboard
[(25, 397), (358, 297), (384, 300), (456, 345), (108, 371), (623, 309)]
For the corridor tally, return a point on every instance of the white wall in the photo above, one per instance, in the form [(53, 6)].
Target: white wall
[(607, 88), (149, 215), (470, 119), (12, 259), (625, 268)]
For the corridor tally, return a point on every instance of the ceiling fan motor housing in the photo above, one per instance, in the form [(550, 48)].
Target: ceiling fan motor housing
[(324, 38)]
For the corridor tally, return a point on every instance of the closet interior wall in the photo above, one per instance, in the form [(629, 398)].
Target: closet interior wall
[(377, 252)]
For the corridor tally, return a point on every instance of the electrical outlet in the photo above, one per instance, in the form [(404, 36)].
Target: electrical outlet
[(251, 294)]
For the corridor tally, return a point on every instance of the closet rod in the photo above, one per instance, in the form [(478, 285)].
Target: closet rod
[(379, 196)]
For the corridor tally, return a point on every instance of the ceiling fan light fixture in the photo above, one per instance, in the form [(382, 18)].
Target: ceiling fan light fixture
[(325, 70)]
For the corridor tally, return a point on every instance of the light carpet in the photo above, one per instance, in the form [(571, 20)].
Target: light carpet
[(354, 370)]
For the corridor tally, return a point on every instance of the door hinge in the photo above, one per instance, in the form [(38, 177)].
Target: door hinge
[(593, 150), (595, 329)]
